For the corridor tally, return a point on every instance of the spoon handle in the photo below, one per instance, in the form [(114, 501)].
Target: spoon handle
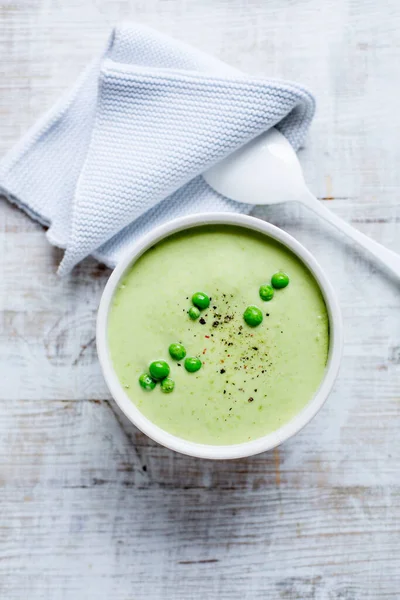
[(387, 257)]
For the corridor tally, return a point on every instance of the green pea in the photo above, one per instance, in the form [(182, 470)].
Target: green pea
[(266, 292), (147, 382), (194, 313), (201, 300), (192, 364), (159, 369), (177, 351), (279, 280), (167, 385), (253, 316)]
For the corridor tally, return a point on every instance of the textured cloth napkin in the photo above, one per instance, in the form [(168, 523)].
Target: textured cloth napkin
[(124, 150)]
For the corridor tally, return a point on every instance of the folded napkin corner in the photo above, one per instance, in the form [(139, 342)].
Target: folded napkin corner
[(124, 150)]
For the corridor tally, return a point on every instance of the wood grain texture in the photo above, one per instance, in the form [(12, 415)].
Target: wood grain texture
[(90, 507)]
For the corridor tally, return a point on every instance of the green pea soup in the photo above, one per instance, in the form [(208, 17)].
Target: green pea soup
[(252, 380)]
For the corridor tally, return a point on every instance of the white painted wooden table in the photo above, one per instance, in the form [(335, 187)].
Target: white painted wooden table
[(92, 509)]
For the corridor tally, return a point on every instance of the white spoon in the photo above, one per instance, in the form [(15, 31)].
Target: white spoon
[(267, 171)]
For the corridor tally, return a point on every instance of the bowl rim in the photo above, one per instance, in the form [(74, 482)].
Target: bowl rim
[(244, 449)]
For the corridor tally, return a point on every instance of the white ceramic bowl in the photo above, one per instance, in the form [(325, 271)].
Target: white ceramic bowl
[(235, 450)]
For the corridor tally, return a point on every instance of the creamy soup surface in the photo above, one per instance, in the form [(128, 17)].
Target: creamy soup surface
[(252, 379)]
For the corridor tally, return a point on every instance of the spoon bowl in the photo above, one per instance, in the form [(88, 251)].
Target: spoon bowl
[(257, 173)]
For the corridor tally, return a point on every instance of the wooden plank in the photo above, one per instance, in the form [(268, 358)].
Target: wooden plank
[(96, 505), (234, 555)]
